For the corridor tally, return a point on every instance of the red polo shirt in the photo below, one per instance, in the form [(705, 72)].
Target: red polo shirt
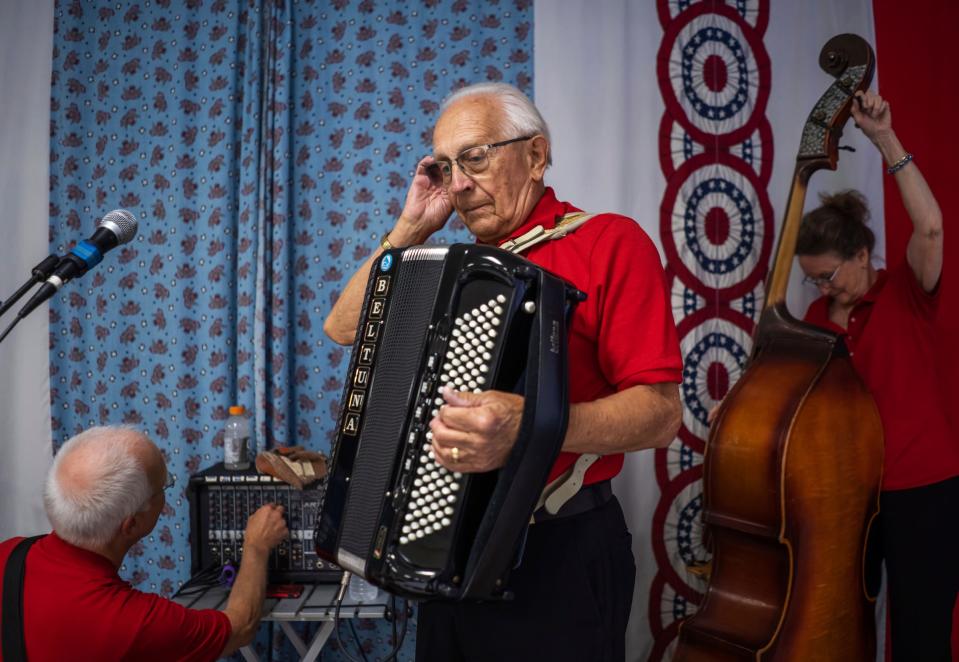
[(76, 607), (623, 334), (891, 342)]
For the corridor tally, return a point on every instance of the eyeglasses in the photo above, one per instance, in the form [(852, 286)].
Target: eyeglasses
[(167, 484), (823, 281), (472, 161)]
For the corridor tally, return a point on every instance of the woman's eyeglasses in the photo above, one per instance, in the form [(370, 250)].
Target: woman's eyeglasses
[(823, 281)]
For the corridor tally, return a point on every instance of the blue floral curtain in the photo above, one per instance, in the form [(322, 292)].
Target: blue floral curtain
[(263, 147)]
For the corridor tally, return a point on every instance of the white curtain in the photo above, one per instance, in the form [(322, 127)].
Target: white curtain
[(595, 83), (26, 49)]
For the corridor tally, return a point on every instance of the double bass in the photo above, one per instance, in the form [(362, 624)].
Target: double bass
[(793, 465)]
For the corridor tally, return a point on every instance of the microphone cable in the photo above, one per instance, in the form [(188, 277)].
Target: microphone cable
[(38, 274), (344, 582)]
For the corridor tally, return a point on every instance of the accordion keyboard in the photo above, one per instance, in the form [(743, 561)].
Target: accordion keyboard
[(465, 368)]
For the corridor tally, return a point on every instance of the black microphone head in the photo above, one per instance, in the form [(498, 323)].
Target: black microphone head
[(121, 223)]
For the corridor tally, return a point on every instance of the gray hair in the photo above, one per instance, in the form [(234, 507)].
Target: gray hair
[(117, 486), (522, 117)]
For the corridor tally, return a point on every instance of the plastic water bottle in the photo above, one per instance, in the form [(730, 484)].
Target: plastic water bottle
[(236, 440), (361, 590)]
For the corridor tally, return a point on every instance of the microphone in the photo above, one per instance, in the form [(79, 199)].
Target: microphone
[(117, 227)]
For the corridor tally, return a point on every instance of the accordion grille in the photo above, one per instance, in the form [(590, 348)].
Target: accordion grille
[(395, 374)]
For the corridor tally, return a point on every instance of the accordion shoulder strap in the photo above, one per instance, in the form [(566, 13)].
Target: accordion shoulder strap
[(563, 488), (564, 226)]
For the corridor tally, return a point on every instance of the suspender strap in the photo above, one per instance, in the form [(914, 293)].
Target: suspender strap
[(14, 642)]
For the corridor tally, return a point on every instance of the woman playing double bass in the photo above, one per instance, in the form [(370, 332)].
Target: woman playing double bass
[(887, 320)]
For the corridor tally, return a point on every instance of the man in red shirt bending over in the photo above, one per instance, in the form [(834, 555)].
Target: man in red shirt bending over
[(574, 586), (104, 493)]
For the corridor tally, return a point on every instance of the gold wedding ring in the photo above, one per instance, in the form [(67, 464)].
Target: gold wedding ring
[(456, 454)]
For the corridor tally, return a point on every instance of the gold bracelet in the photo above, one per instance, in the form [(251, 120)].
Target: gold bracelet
[(385, 242)]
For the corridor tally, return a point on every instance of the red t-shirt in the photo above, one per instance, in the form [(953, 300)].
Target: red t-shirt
[(76, 607), (891, 342), (623, 334)]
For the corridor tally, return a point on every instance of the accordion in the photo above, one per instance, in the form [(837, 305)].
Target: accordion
[(472, 318)]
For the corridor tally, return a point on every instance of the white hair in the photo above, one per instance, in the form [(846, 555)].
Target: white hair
[(522, 117), (115, 486)]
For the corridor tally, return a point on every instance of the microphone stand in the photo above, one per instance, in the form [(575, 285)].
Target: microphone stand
[(38, 274)]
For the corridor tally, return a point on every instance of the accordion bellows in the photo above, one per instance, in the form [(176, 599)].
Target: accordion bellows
[(472, 318)]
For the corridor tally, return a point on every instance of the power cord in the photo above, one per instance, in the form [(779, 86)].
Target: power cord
[(398, 644)]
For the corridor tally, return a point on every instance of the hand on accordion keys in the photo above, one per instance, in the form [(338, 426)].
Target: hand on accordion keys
[(475, 432)]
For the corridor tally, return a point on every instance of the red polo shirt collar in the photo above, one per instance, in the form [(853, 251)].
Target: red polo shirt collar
[(819, 309), (547, 212), (97, 564)]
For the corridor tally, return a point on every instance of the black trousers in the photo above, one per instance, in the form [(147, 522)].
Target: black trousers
[(574, 589), (918, 537)]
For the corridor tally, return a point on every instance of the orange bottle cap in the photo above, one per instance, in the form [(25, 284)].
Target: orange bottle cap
[(236, 410)]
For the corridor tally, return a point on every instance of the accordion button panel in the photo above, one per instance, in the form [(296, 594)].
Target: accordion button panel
[(432, 506)]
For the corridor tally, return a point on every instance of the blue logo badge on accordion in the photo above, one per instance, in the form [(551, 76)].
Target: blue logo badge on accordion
[(386, 263)]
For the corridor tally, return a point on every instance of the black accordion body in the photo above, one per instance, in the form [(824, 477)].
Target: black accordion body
[(473, 318)]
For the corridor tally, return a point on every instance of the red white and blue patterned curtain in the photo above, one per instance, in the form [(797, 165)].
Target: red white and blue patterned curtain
[(717, 226)]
